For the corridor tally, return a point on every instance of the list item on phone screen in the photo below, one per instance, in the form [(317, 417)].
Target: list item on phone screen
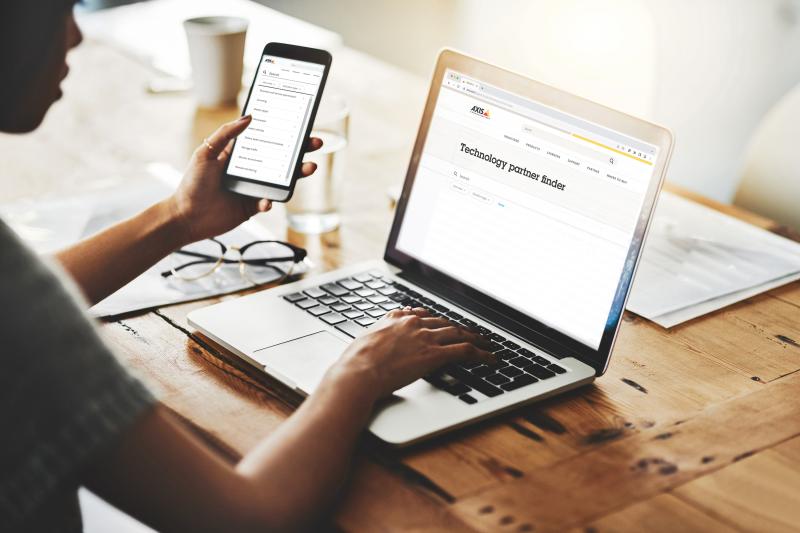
[(280, 101)]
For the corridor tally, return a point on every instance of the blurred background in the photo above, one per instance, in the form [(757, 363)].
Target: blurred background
[(722, 74)]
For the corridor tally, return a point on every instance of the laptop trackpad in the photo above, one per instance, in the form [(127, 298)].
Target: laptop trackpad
[(305, 360)]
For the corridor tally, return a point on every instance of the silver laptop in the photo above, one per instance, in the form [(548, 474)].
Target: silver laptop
[(522, 217)]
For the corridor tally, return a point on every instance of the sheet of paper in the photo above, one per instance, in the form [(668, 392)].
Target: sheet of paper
[(50, 225), (668, 320), (697, 260), (151, 289), (153, 31)]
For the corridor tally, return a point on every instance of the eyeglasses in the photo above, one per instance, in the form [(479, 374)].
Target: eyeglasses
[(259, 261)]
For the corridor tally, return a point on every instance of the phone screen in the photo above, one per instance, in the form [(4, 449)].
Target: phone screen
[(280, 101)]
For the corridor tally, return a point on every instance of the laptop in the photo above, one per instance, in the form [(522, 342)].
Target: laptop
[(522, 217)]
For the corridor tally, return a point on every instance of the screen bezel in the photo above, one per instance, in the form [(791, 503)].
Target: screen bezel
[(530, 328), (300, 53)]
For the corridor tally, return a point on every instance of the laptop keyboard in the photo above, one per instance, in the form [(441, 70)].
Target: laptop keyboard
[(354, 303)]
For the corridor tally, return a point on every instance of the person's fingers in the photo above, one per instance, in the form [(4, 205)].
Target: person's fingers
[(450, 334), (216, 143), (226, 153), (307, 168), (264, 205), (431, 322), (396, 313), (462, 351), (419, 311), (314, 143)]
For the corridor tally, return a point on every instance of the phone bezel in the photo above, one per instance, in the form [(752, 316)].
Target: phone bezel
[(274, 191)]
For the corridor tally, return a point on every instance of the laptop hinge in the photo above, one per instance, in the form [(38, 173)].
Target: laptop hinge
[(536, 338)]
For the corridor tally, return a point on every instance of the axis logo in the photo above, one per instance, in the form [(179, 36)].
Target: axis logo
[(478, 110)]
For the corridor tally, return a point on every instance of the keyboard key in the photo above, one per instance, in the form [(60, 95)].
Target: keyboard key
[(454, 315), (541, 360), (306, 304), (295, 297), (427, 301), (388, 291), (351, 299), (333, 318), (365, 292), (399, 286), (540, 371), (520, 362), (510, 344), (328, 300), (365, 321), (486, 388), (511, 371), (482, 371), (362, 305), (333, 288), (350, 284), (316, 292), (378, 299), (505, 354), (363, 278), (375, 312), (350, 328), (474, 381), (376, 273), (340, 307), (467, 398), (319, 310), (524, 352), (555, 368), (390, 305), (353, 314), (375, 284), (482, 330), (456, 388), (413, 293), (518, 382), (497, 337), (495, 347), (497, 379)]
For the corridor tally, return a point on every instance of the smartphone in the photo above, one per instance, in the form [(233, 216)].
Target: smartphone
[(266, 158)]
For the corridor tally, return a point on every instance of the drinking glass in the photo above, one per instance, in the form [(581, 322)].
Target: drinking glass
[(314, 207)]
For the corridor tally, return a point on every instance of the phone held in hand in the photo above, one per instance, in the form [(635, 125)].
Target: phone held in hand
[(283, 100)]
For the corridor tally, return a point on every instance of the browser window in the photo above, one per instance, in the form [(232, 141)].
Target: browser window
[(532, 206), (280, 102)]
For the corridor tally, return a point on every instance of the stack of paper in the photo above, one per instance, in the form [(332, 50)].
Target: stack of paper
[(697, 260)]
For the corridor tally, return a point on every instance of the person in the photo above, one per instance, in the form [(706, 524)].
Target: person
[(73, 416)]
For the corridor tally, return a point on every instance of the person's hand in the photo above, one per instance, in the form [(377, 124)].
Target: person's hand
[(201, 205), (405, 345)]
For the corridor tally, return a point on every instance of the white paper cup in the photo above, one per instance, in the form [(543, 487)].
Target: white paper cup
[(216, 50)]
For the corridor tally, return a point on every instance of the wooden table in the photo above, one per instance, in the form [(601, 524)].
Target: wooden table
[(695, 428)]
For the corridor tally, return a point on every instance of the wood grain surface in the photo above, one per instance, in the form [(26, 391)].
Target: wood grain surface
[(696, 428)]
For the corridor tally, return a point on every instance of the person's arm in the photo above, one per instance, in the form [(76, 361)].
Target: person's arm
[(165, 477), (199, 209)]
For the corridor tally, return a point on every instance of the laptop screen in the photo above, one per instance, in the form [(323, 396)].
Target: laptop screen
[(531, 206)]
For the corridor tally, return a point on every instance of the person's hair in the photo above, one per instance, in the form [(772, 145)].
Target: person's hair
[(30, 32)]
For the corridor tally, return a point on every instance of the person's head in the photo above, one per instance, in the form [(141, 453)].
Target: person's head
[(35, 36)]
